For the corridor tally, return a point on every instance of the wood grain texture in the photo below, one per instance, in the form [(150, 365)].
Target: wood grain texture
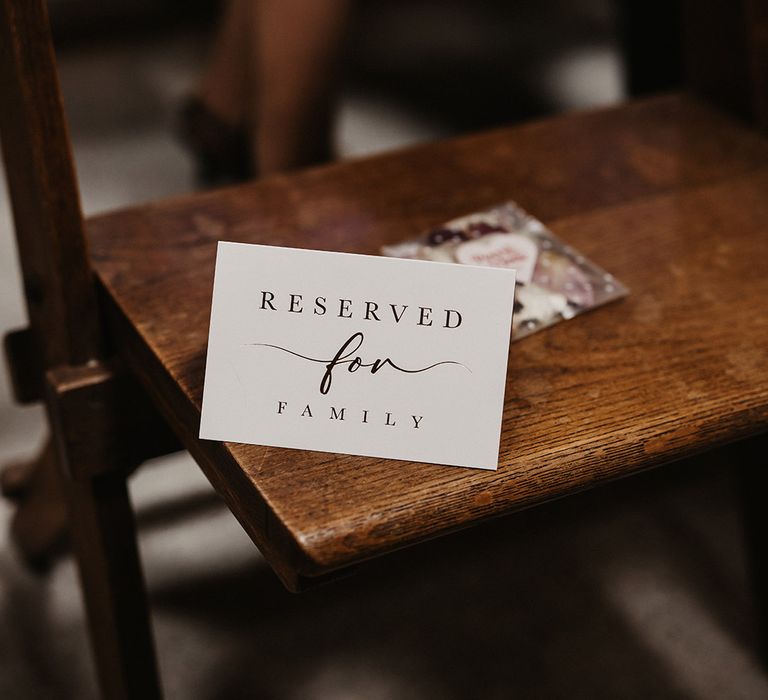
[(666, 194)]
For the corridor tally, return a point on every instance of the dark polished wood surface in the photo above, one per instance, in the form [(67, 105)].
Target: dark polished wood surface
[(666, 194)]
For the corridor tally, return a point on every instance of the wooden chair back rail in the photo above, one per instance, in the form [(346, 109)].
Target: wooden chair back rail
[(58, 283), (62, 355)]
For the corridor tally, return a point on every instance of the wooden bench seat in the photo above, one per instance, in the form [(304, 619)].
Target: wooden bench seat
[(665, 193)]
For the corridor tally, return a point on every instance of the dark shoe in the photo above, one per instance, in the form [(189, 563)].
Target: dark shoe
[(222, 152)]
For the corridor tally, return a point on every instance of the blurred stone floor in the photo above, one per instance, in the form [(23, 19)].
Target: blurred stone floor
[(635, 591)]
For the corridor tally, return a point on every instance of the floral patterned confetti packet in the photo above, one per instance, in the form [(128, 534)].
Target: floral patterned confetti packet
[(554, 281)]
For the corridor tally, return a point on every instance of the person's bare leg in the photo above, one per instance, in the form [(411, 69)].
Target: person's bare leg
[(296, 55), (225, 86)]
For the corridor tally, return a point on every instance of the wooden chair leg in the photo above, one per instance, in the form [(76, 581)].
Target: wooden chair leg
[(39, 527), (104, 541), (95, 431), (15, 478), (753, 475)]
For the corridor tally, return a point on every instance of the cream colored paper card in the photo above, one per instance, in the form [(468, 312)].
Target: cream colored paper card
[(358, 354)]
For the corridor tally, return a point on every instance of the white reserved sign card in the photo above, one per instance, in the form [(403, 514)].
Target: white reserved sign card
[(358, 354)]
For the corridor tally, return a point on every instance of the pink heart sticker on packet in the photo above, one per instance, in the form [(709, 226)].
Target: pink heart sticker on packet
[(508, 250)]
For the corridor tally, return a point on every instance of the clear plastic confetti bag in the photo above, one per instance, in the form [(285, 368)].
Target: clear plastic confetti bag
[(554, 281)]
